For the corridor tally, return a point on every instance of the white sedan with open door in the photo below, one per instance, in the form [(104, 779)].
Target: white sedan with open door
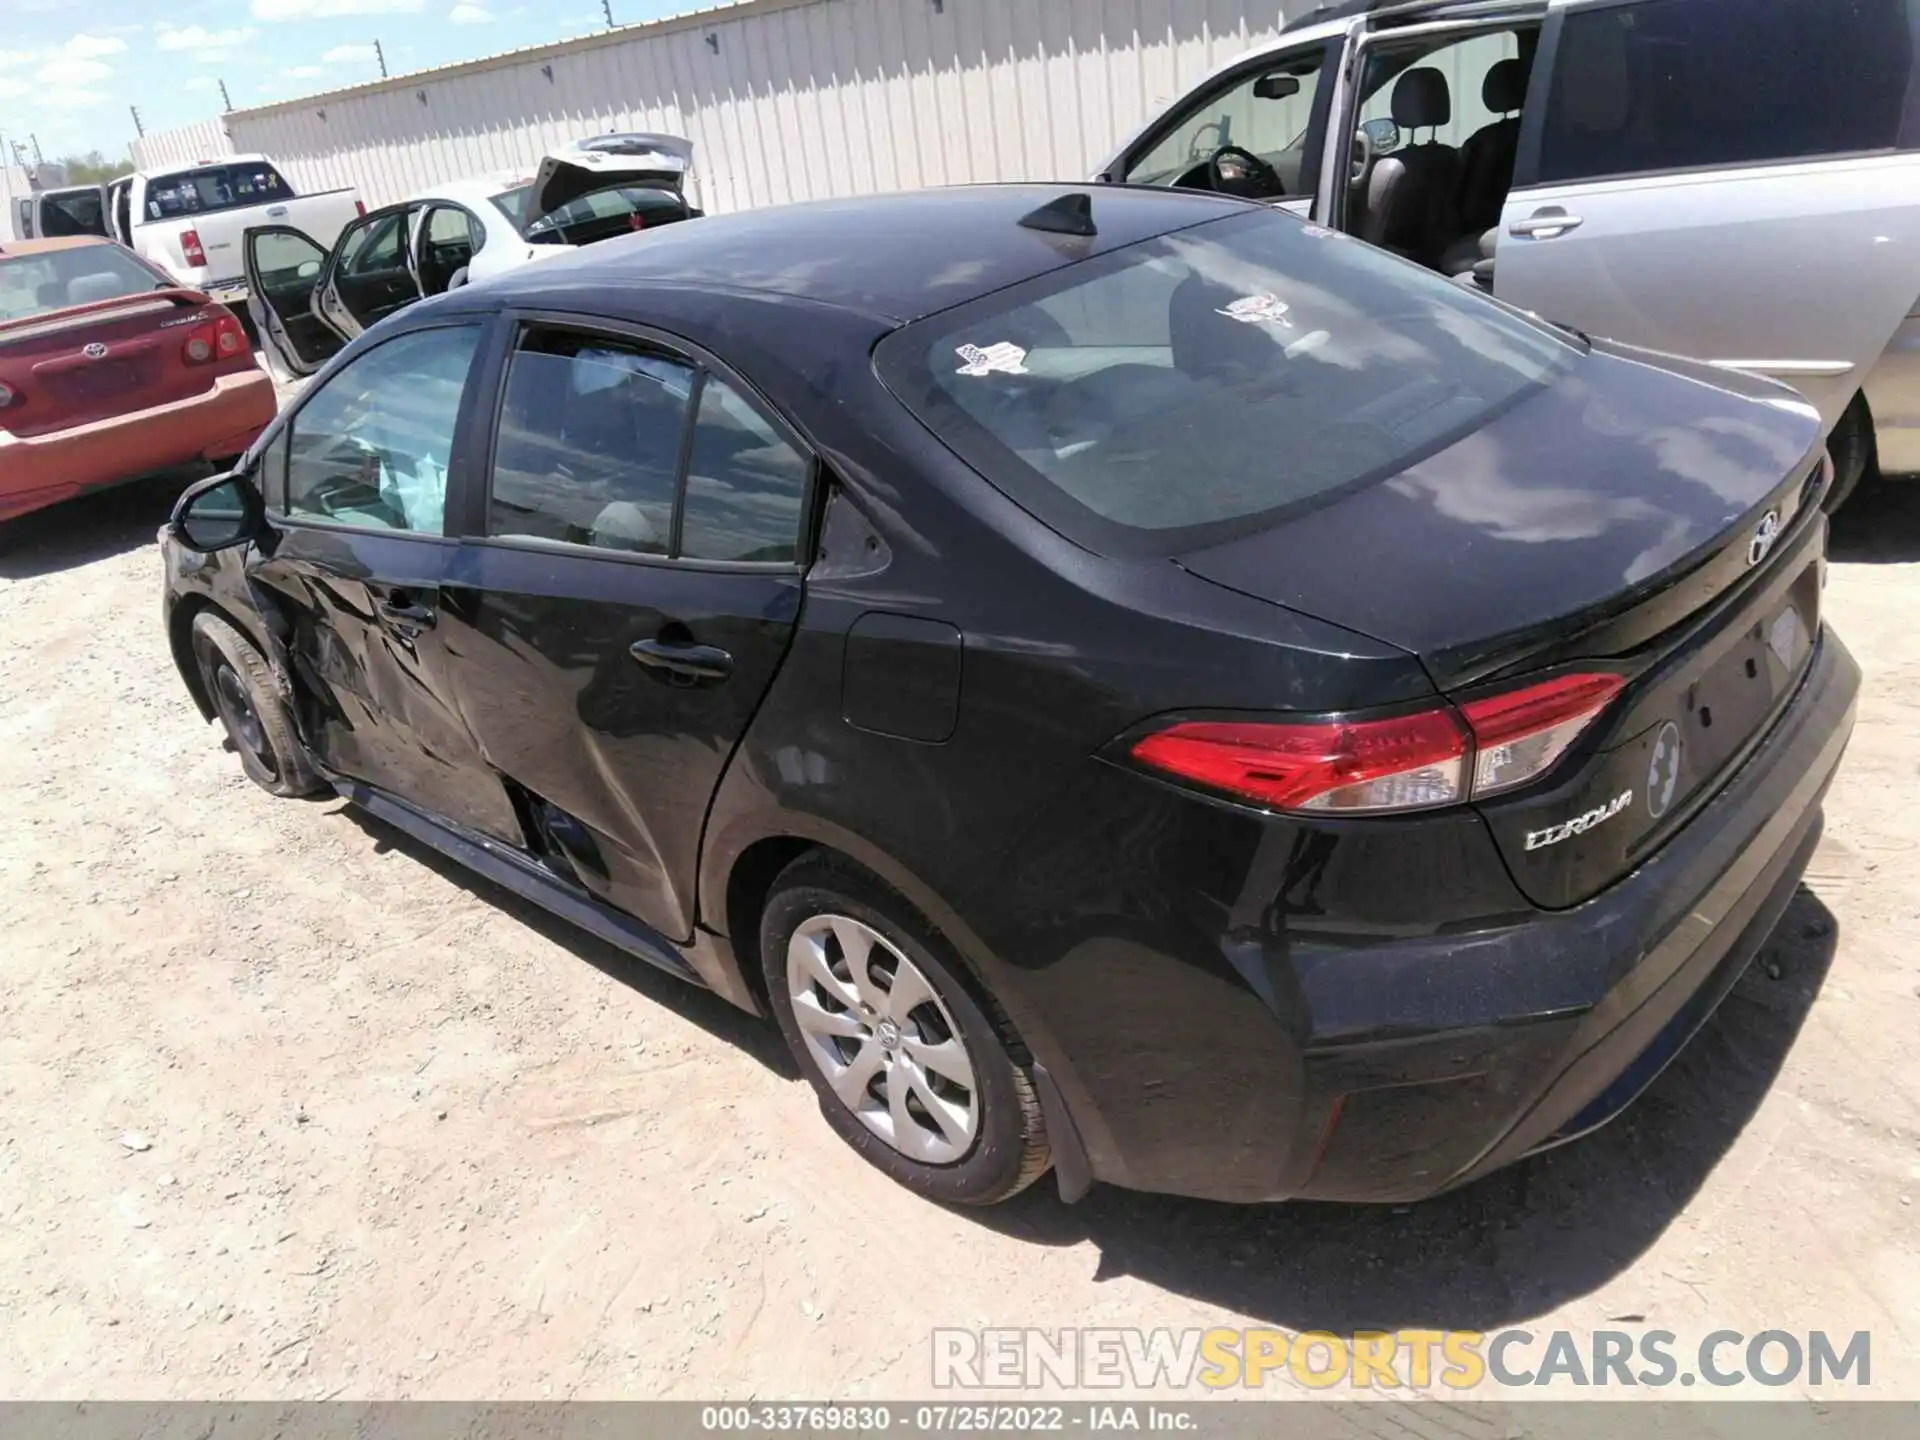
[(307, 301)]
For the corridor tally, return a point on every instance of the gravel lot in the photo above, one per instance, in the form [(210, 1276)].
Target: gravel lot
[(289, 1107)]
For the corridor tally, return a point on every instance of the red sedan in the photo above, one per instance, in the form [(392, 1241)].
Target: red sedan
[(108, 371)]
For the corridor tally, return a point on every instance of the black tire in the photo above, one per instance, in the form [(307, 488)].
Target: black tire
[(252, 711), (1855, 455), (1009, 1149)]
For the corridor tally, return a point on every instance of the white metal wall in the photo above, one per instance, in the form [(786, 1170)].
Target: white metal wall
[(202, 140), (783, 99), (792, 99)]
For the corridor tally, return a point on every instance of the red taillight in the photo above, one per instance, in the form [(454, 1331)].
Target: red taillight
[(219, 339), (1522, 733), (1408, 762), (360, 209), (190, 250)]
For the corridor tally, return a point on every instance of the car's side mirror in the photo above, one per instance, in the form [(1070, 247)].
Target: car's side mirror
[(1276, 87), (309, 270), (1383, 135), (217, 514)]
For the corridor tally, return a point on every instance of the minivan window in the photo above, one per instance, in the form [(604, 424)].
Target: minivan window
[(1186, 389), (77, 212), (212, 188), (1657, 86)]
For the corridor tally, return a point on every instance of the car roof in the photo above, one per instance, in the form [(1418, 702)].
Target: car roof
[(1402, 12), (473, 189), (895, 257), (59, 242)]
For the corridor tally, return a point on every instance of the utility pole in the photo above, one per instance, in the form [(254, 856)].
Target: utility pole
[(606, 9), (226, 103), (381, 56), (34, 140), (138, 128)]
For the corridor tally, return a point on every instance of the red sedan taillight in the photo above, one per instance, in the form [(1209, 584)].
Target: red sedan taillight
[(1434, 757), (190, 250), (219, 339)]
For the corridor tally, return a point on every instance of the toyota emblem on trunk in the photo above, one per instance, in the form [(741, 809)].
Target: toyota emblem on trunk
[(95, 351), (1764, 534)]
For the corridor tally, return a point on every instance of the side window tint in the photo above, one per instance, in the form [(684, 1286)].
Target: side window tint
[(371, 446), (1659, 86), (745, 485), (590, 440), (1465, 65), (374, 247)]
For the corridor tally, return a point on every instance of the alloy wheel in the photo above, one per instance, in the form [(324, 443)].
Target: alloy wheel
[(883, 1038), (235, 705)]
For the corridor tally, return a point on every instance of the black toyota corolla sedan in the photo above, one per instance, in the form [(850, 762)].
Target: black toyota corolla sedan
[(1137, 684)]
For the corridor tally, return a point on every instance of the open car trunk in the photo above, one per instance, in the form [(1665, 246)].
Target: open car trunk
[(658, 162)]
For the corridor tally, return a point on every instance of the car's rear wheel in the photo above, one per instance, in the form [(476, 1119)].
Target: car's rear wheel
[(911, 1069), (1855, 456), (253, 714)]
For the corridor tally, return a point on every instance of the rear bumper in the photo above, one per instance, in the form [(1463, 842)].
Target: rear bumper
[(1268, 1049), (1507, 1042), (45, 469)]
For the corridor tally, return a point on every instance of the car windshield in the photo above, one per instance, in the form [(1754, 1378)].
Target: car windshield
[(55, 279), (1186, 389), (214, 187)]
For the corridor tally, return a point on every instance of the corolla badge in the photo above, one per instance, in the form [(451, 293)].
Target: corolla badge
[(95, 351), (1663, 771), (1580, 824), (1765, 534)]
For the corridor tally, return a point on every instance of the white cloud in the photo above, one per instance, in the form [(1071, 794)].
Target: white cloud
[(11, 88), (323, 9), (86, 47), (73, 72), (198, 37), (16, 57), (467, 14), (200, 82), (73, 98), (349, 55), (304, 72)]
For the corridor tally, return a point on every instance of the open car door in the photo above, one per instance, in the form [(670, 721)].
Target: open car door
[(283, 268), (371, 271), (72, 210)]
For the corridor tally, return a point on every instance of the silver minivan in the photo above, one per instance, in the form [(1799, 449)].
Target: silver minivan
[(1735, 180)]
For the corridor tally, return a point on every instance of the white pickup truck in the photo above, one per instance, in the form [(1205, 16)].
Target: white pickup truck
[(188, 219)]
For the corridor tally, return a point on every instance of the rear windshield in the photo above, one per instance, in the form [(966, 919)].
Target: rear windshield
[(212, 188), (1183, 390), (55, 279), (603, 214)]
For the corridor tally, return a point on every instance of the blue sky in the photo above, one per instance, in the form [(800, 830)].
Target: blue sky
[(70, 68)]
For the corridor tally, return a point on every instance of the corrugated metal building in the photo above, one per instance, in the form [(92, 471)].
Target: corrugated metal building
[(783, 99)]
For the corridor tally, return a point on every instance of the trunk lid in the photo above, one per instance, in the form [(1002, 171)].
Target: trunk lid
[(661, 161), (1619, 519), (92, 362)]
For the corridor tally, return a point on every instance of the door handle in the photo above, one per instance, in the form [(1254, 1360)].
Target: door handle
[(1545, 224), (683, 664), (406, 618)]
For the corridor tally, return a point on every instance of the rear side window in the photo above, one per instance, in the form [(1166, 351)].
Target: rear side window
[(615, 445), (78, 212), (1662, 86), (213, 188), (591, 436), (1183, 390)]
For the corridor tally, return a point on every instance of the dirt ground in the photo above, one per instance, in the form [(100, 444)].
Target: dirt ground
[(291, 1108)]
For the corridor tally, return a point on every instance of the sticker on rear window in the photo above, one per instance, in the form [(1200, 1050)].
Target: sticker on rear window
[(1006, 358), (1264, 309)]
